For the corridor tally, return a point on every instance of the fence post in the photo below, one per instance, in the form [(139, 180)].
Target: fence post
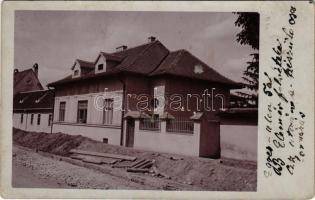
[(163, 125), (196, 127), (137, 124)]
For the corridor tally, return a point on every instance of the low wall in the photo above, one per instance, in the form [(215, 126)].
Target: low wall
[(94, 132), (168, 142), (239, 141)]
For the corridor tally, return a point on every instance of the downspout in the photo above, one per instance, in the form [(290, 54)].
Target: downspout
[(53, 111), (122, 111)]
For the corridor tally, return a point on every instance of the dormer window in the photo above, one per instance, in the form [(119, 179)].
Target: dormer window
[(100, 67), (76, 72)]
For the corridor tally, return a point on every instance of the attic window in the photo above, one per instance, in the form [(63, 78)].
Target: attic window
[(198, 69), (100, 67), (76, 72)]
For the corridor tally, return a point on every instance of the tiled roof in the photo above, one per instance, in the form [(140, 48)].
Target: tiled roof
[(20, 85), (183, 63), (111, 57), (153, 59), (84, 64), (20, 75), (142, 59), (41, 99)]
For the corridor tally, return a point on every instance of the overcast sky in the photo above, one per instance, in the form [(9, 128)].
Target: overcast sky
[(54, 39)]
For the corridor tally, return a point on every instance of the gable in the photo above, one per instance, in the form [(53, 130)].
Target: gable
[(100, 65), (26, 81), (76, 70)]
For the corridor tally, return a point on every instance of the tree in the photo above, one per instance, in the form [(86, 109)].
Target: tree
[(249, 35)]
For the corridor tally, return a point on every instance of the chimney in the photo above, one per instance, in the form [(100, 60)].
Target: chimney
[(151, 39), (35, 68), (121, 48), (16, 71)]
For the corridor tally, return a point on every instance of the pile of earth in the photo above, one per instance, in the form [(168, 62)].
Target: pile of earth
[(57, 143), (208, 174)]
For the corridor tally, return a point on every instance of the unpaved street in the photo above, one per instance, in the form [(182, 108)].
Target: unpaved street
[(44, 160), (32, 170)]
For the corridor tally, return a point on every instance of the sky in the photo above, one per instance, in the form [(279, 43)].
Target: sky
[(54, 39)]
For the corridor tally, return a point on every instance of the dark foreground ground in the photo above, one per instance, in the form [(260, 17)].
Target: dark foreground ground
[(40, 160)]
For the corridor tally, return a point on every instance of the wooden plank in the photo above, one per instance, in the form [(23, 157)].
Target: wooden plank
[(138, 170), (94, 159), (142, 164), (137, 163), (148, 165), (106, 155)]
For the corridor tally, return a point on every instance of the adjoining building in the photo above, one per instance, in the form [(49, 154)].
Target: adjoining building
[(32, 105), (145, 97), (26, 80), (33, 111)]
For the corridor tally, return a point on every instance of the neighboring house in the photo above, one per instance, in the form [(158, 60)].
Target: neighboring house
[(138, 90), (26, 80), (238, 133), (237, 101), (33, 111), (32, 105)]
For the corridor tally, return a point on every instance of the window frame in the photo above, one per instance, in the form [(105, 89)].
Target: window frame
[(108, 111), (63, 113), (84, 113), (32, 119), (98, 67), (22, 118), (38, 119)]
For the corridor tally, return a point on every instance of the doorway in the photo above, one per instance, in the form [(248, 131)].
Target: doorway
[(210, 139), (130, 132)]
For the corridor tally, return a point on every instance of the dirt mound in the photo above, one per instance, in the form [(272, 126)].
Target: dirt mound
[(207, 174), (57, 143), (213, 174)]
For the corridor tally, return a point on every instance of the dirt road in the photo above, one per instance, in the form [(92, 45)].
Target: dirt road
[(32, 170), (46, 157)]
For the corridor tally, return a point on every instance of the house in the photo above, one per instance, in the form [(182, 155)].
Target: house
[(145, 97), (33, 110), (32, 105), (26, 80)]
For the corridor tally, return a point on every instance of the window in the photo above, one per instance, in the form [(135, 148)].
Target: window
[(49, 119), (38, 119), (32, 118), (108, 111), (155, 103), (105, 140), (82, 111), (62, 111), (76, 72), (21, 118), (100, 67)]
